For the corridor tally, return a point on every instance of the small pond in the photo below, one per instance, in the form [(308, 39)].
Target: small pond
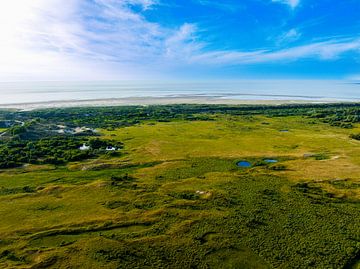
[(245, 164), (270, 161)]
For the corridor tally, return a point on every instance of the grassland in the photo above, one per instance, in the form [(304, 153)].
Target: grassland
[(175, 198)]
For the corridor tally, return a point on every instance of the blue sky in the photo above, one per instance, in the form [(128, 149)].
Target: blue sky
[(178, 39)]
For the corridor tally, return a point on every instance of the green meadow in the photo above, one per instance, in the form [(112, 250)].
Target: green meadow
[(175, 197)]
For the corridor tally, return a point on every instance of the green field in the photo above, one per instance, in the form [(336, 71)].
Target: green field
[(175, 198)]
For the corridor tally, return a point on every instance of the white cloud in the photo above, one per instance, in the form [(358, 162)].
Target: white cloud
[(182, 43), (326, 50), (50, 39), (291, 3), (232, 7), (107, 39), (103, 38), (289, 36), (37, 38)]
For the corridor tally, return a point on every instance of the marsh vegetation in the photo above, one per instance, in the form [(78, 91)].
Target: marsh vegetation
[(174, 196)]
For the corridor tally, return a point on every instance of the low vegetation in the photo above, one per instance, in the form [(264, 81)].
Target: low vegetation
[(173, 195)]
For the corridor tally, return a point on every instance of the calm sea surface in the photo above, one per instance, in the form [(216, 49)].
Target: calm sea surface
[(33, 92)]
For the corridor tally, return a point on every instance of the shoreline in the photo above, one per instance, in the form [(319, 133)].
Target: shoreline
[(133, 101)]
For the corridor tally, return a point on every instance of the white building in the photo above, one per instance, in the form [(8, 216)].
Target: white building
[(84, 147)]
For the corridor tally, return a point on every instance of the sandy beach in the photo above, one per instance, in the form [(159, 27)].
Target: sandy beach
[(160, 101)]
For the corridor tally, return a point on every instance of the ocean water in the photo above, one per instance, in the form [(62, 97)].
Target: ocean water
[(36, 92)]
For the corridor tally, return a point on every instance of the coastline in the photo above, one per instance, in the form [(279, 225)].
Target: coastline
[(132, 101)]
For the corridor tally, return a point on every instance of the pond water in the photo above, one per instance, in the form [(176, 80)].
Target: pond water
[(244, 164), (271, 161)]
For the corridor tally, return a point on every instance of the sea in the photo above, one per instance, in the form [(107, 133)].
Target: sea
[(59, 91)]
